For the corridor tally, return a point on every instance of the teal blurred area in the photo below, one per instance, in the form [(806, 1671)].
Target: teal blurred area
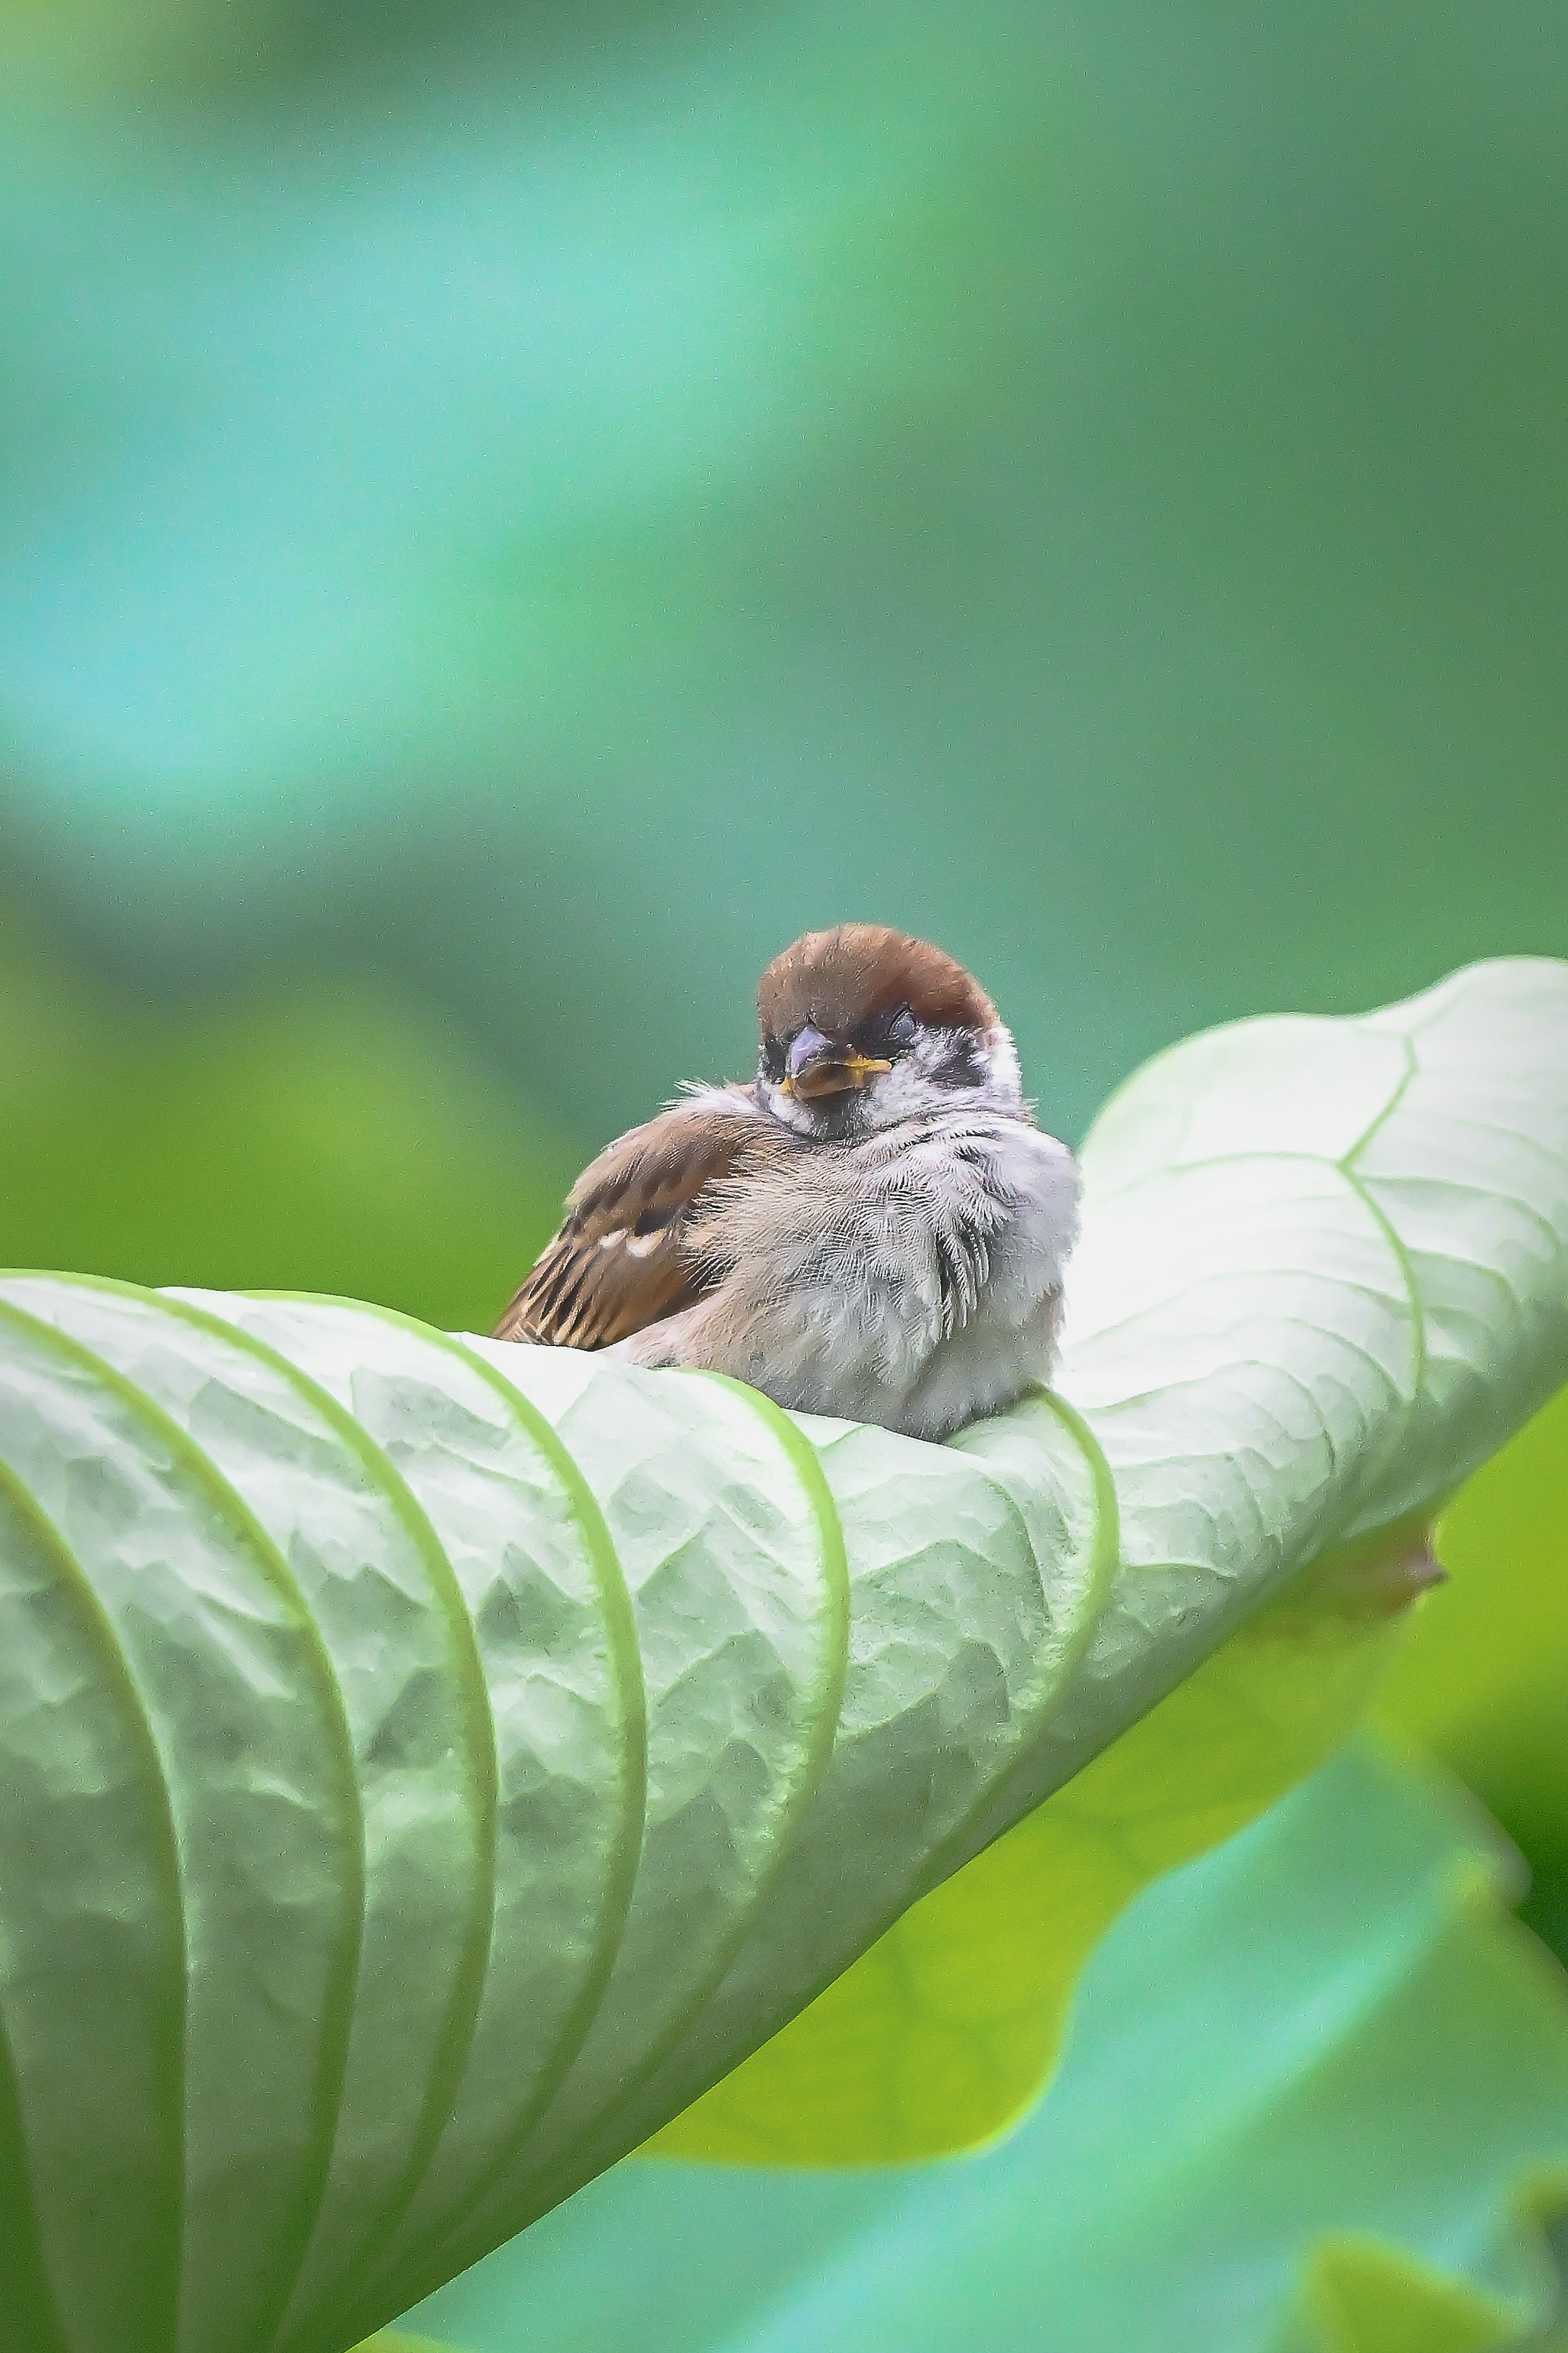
[(536, 505)]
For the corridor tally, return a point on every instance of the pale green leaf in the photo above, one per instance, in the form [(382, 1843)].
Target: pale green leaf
[(1269, 1373), (207, 1662), (419, 1630), (949, 2025), (1325, 1270)]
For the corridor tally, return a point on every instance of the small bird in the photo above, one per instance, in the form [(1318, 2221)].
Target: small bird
[(874, 1227)]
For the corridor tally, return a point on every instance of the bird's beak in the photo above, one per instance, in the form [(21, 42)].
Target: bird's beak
[(819, 1066)]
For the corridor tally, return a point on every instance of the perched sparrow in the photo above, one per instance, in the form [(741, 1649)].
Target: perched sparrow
[(875, 1227)]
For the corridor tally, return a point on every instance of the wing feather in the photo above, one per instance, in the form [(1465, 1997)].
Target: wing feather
[(618, 1260)]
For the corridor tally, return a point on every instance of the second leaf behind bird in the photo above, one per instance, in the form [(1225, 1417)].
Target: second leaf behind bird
[(874, 1226)]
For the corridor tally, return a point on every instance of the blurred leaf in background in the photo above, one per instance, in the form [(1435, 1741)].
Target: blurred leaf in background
[(554, 502), (1314, 2081), (1483, 1680)]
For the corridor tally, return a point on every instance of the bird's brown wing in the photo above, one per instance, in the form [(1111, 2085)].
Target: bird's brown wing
[(618, 1262)]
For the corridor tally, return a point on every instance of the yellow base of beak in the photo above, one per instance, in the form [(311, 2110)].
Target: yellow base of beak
[(835, 1074)]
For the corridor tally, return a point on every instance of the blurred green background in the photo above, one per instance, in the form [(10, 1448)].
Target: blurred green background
[(508, 514)]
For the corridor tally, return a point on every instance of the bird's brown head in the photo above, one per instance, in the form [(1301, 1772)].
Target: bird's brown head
[(862, 1026)]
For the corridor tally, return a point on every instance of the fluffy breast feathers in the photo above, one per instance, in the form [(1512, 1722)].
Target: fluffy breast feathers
[(913, 1278)]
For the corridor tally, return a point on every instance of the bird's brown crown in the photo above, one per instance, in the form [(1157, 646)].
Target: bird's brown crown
[(839, 980)]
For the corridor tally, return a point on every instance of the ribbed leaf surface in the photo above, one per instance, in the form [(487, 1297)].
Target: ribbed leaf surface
[(440, 1762)]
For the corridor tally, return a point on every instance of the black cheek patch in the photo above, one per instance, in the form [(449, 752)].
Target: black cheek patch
[(960, 1065)]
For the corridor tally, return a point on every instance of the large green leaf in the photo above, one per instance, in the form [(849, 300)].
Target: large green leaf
[(493, 1693), (203, 1657), (1314, 2099), (1258, 1184), (1324, 1273), (943, 2030)]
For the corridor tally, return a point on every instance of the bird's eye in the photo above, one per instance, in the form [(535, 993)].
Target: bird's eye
[(902, 1029)]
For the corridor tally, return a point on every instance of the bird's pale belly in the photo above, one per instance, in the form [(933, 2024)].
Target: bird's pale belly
[(870, 1331)]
